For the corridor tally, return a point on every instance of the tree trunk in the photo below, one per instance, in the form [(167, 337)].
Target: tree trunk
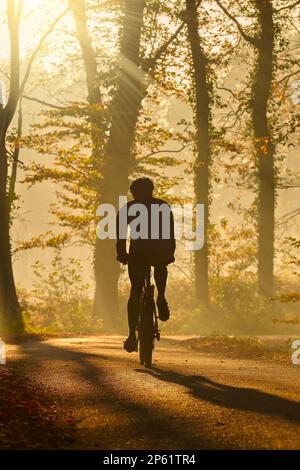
[(10, 315), (125, 109), (15, 163), (203, 157), (264, 146)]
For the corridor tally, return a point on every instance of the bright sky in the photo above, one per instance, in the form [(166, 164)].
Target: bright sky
[(37, 14)]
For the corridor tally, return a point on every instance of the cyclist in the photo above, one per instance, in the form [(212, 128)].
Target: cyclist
[(148, 247)]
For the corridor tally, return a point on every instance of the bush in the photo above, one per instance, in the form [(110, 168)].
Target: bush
[(60, 301)]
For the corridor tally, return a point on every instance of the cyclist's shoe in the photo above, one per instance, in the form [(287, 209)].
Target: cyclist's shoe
[(163, 309), (130, 345)]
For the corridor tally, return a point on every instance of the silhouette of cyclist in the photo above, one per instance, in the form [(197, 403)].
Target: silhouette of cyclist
[(155, 247)]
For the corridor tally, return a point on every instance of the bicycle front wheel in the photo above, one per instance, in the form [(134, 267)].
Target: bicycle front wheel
[(146, 333), (146, 341)]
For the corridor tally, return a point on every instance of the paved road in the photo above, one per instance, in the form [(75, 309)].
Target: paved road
[(188, 401)]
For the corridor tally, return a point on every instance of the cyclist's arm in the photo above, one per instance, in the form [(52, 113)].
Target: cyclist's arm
[(172, 236), (122, 255)]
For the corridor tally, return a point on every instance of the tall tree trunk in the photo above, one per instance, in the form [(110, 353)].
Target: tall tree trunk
[(10, 314), (125, 109), (263, 44), (264, 146), (203, 158), (88, 54), (15, 163)]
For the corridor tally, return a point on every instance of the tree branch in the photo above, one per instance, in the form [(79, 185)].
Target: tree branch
[(38, 48), (228, 90), (246, 36), (292, 74), (151, 62), (183, 147), (44, 103), (287, 7)]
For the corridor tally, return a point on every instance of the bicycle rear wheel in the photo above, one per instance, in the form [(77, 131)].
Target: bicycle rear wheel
[(147, 328)]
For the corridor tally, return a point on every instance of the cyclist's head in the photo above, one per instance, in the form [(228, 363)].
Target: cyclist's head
[(142, 188)]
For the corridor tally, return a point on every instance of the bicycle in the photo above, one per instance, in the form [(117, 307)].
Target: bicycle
[(148, 322)]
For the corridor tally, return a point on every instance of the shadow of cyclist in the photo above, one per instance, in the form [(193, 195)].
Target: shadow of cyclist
[(239, 398)]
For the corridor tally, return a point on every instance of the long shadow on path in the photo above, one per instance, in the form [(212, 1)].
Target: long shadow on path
[(239, 398)]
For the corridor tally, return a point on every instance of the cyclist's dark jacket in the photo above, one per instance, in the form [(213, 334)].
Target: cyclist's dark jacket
[(160, 250)]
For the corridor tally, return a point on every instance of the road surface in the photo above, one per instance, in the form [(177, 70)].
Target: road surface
[(188, 401)]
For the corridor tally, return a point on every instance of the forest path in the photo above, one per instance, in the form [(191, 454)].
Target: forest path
[(189, 400)]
